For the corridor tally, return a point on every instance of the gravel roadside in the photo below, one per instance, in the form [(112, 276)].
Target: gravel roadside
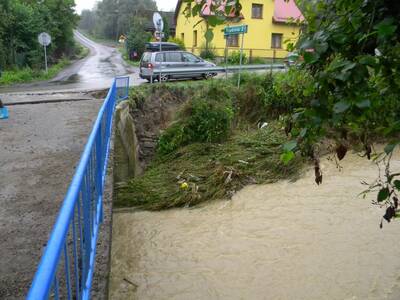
[(40, 145)]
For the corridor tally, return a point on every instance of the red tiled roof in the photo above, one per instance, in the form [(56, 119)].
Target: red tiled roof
[(282, 13), (286, 10)]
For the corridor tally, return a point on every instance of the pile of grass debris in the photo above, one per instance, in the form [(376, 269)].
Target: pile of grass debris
[(222, 140), (204, 171)]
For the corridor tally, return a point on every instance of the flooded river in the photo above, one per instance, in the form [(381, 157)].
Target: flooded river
[(277, 241)]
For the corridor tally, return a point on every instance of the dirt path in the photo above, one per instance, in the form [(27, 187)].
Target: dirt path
[(39, 147), (278, 241)]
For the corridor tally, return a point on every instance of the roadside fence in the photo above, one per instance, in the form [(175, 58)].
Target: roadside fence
[(252, 55), (67, 265)]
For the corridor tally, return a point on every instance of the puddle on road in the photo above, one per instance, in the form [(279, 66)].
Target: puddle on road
[(277, 241)]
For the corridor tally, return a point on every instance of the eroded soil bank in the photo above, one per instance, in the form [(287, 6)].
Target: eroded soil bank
[(278, 241)]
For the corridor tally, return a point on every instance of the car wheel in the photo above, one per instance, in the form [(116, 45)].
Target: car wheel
[(164, 78), (208, 75)]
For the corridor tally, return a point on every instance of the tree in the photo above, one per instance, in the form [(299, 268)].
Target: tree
[(167, 29), (114, 17), (88, 20), (352, 49), (212, 13), (22, 21), (137, 37)]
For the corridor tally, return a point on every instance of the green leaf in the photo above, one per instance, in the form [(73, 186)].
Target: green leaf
[(209, 35), (391, 176), (307, 44), (368, 60), (196, 10), (310, 57), (214, 20), (340, 38), (322, 47), (341, 107), (290, 146), (363, 104), (287, 157), (397, 184), (383, 194), (303, 132), (348, 66), (386, 28), (390, 147)]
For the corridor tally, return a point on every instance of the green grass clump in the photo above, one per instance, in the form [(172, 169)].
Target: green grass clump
[(207, 117), (28, 75), (211, 170)]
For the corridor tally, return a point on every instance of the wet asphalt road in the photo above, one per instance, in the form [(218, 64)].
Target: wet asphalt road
[(95, 72), (40, 146)]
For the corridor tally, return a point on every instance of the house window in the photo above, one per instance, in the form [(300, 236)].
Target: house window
[(232, 40), (257, 11), (195, 38), (276, 41), (183, 37)]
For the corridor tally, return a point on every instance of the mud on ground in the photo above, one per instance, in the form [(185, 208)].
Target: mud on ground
[(40, 145)]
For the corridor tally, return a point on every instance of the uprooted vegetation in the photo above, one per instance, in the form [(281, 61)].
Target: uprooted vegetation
[(220, 140)]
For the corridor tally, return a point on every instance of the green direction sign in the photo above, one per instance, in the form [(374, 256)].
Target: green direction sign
[(235, 30)]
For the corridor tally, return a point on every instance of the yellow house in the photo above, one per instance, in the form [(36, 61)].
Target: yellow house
[(271, 25)]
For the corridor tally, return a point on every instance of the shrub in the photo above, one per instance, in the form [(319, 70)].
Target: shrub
[(205, 118), (293, 89), (234, 58), (209, 52), (137, 37), (257, 61)]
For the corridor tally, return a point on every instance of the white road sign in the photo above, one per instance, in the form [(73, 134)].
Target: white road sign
[(158, 22), (44, 39)]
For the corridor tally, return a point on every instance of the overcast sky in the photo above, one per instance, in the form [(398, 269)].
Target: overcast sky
[(165, 5)]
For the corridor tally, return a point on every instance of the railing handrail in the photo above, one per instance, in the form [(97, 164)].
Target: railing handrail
[(176, 71), (47, 269)]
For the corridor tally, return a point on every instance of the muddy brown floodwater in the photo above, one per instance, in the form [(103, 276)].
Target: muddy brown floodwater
[(277, 241)]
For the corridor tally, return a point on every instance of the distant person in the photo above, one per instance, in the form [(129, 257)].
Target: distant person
[(3, 111)]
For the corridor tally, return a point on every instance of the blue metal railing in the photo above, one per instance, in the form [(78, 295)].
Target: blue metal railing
[(67, 265)]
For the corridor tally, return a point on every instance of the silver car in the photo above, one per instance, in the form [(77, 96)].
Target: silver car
[(174, 65)]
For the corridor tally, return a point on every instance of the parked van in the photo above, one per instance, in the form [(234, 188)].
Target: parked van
[(189, 65)]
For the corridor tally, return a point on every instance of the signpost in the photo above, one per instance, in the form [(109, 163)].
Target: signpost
[(159, 26), (236, 30), (44, 39)]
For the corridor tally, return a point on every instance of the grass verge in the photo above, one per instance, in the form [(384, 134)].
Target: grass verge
[(124, 53), (28, 75)]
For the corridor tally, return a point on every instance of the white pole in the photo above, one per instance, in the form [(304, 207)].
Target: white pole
[(161, 56), (241, 60), (226, 57), (45, 57)]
